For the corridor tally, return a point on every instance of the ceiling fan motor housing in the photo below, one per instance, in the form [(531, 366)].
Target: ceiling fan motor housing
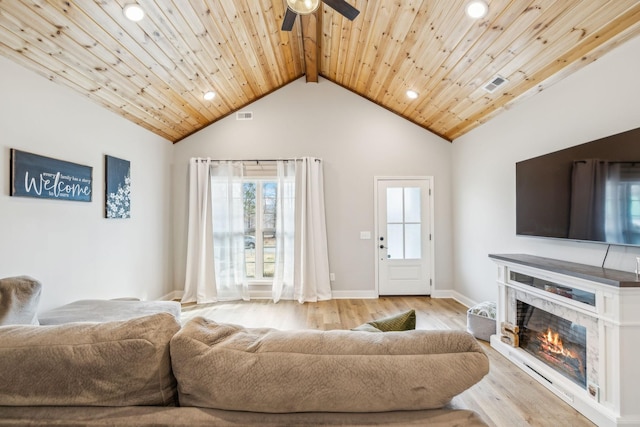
[(303, 7)]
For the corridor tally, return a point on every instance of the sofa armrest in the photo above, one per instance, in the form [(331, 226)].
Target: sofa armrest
[(88, 364)]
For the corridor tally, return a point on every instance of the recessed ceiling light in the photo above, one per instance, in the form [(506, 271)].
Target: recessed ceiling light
[(412, 94), (133, 12), (477, 9), (209, 95)]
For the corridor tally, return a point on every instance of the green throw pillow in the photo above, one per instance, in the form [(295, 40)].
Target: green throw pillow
[(398, 322)]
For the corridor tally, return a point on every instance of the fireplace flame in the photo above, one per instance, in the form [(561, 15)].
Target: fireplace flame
[(552, 343)]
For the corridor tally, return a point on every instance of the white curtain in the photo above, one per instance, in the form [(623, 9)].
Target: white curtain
[(215, 242), (285, 231), (302, 261), (228, 231), (200, 282)]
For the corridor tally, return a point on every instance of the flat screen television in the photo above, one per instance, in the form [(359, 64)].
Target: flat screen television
[(589, 192)]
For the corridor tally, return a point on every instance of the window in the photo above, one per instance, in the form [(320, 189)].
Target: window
[(260, 227)]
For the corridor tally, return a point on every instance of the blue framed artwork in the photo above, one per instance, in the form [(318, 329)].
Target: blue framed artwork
[(42, 177), (118, 188)]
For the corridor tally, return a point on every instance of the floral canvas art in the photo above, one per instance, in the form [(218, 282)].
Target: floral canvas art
[(118, 188)]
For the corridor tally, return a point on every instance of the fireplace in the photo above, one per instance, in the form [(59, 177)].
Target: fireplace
[(557, 342), (576, 330)]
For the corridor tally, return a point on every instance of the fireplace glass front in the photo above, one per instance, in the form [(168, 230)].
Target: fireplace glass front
[(558, 342)]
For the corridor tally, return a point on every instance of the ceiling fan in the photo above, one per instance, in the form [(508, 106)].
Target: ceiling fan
[(305, 7)]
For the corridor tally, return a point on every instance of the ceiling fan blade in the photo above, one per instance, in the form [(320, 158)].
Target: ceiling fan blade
[(343, 8), (289, 19)]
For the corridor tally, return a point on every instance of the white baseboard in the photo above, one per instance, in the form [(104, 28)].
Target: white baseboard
[(442, 294), (454, 295), (354, 294), (370, 294), (173, 295), (266, 294), (260, 294)]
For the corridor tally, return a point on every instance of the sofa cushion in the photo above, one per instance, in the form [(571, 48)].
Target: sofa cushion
[(106, 311), (265, 370), (19, 297), (88, 364)]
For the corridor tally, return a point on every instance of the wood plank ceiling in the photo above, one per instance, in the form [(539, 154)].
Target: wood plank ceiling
[(156, 71)]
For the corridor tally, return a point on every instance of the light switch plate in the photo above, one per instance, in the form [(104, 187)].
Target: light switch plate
[(365, 235)]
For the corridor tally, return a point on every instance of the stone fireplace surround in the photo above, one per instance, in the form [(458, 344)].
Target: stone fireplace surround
[(612, 320)]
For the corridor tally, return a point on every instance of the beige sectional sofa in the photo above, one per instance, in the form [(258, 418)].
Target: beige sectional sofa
[(150, 370)]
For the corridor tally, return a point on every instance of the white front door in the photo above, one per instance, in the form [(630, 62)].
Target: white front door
[(404, 239)]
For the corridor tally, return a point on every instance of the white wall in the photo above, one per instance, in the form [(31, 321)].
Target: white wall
[(77, 253), (600, 100), (357, 140), (69, 246)]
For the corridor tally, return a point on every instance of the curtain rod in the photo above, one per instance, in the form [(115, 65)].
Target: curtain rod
[(256, 161)]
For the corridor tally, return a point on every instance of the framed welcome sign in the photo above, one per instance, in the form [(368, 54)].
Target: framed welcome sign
[(43, 177)]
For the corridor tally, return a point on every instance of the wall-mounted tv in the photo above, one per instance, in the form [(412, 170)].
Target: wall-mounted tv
[(589, 192)]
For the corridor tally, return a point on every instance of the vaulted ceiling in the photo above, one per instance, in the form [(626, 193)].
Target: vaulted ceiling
[(155, 72)]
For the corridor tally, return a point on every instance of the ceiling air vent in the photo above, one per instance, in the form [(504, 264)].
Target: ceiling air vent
[(244, 115), (495, 84)]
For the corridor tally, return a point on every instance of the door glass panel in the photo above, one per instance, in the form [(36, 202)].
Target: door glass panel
[(394, 205), (395, 241), (413, 248), (403, 223), (412, 204)]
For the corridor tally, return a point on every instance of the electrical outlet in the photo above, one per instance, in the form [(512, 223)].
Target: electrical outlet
[(332, 277)]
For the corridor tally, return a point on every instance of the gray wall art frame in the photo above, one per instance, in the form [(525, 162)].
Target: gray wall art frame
[(43, 177), (118, 187)]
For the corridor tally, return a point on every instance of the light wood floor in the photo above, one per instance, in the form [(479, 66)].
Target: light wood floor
[(506, 397)]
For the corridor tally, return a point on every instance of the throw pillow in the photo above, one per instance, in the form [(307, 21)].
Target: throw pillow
[(19, 298), (397, 322)]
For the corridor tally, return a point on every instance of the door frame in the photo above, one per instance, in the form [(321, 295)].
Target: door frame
[(432, 241)]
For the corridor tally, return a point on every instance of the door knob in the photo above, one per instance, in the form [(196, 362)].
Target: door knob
[(381, 246)]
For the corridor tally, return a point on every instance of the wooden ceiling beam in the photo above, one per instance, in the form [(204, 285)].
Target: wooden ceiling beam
[(311, 36)]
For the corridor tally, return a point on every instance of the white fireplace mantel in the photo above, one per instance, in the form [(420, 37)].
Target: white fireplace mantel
[(611, 397)]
